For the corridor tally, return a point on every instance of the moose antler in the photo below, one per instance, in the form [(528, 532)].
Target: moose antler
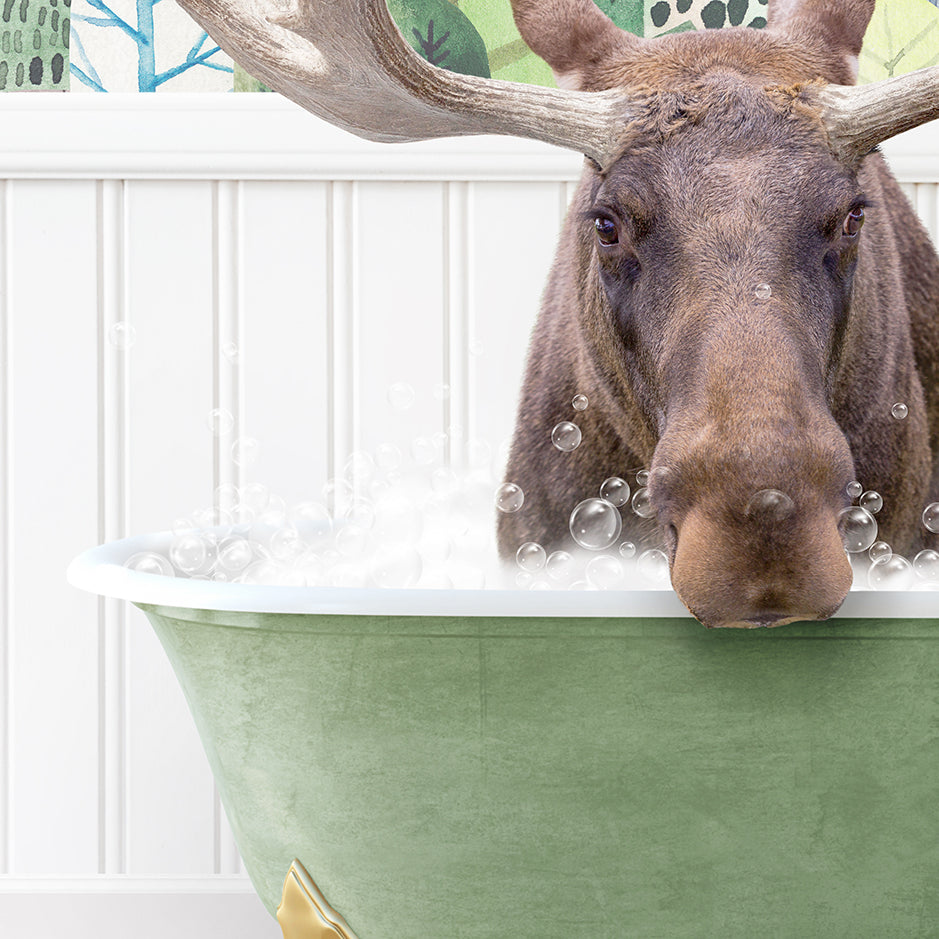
[(346, 61), (860, 117)]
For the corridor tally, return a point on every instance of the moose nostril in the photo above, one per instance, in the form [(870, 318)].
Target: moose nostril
[(770, 505)]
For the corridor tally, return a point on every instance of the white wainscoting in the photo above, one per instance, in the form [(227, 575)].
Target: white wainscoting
[(336, 267)]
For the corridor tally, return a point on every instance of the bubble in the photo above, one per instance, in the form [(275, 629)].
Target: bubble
[(580, 402), (595, 524), (763, 291), (872, 501), (858, 529), (627, 550), (182, 525), (423, 451), (235, 554), (286, 544), (931, 516), (255, 496), (853, 489), (245, 451), (524, 580), (926, 565), (561, 567), (396, 565), (653, 565), (642, 504), (401, 396), (893, 573), (189, 553), (149, 562), (899, 411), (879, 550), (566, 436), (122, 336), (351, 540), (361, 512), (338, 494), (615, 491), (771, 505), (231, 352), (312, 520), (226, 496), (359, 468), (441, 391), (388, 456), (531, 556), (642, 477), (509, 497), (476, 348), (604, 572), (220, 421)]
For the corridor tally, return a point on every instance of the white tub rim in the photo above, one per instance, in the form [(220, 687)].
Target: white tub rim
[(100, 570)]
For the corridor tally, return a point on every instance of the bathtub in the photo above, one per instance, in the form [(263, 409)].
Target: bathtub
[(471, 764)]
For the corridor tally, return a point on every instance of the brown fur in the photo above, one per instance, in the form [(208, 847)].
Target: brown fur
[(726, 180)]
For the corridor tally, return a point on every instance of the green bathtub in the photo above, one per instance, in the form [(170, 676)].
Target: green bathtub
[(445, 767)]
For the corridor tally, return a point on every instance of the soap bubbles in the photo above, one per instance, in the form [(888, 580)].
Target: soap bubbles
[(531, 557), (604, 572), (615, 490), (653, 565), (771, 505), (189, 553), (231, 353), (509, 497), (763, 291), (931, 516), (580, 402), (561, 567), (122, 336), (566, 436), (926, 565), (858, 529), (879, 550), (642, 478), (899, 411), (854, 489), (642, 504), (245, 451), (872, 501), (891, 573), (627, 550), (595, 524), (220, 421), (401, 396), (149, 562)]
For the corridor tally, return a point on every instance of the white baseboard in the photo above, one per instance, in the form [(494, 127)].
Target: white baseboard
[(115, 908)]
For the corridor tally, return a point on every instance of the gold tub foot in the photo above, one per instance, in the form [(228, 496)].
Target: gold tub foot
[(304, 913)]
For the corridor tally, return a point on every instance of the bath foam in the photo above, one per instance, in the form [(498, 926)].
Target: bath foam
[(391, 523)]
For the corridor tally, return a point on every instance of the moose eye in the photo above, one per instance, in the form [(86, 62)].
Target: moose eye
[(606, 231), (853, 222)]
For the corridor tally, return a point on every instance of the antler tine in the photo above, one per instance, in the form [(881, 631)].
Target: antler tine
[(346, 61), (859, 117)]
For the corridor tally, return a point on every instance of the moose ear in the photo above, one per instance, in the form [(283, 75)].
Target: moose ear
[(572, 36), (840, 24)]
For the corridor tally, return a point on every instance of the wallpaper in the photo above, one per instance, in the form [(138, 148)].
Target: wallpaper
[(152, 45)]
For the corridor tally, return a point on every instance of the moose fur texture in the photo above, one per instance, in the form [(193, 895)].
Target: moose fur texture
[(727, 180)]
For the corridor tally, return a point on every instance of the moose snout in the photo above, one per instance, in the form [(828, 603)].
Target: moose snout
[(770, 567)]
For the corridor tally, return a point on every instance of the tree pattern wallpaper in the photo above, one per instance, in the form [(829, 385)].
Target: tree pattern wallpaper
[(152, 45)]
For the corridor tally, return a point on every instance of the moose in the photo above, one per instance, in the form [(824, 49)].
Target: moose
[(741, 288)]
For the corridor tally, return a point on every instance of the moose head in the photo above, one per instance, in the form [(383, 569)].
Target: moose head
[(740, 289)]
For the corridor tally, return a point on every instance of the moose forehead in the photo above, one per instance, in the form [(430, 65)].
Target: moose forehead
[(725, 146)]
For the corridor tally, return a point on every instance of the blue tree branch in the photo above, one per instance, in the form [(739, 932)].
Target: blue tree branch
[(185, 66)]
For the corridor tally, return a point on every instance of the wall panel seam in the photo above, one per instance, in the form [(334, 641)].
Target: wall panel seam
[(6, 580)]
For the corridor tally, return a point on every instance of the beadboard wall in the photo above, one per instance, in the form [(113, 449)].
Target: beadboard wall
[(288, 273)]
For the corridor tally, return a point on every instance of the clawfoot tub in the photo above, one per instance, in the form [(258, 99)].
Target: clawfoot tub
[(411, 764)]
